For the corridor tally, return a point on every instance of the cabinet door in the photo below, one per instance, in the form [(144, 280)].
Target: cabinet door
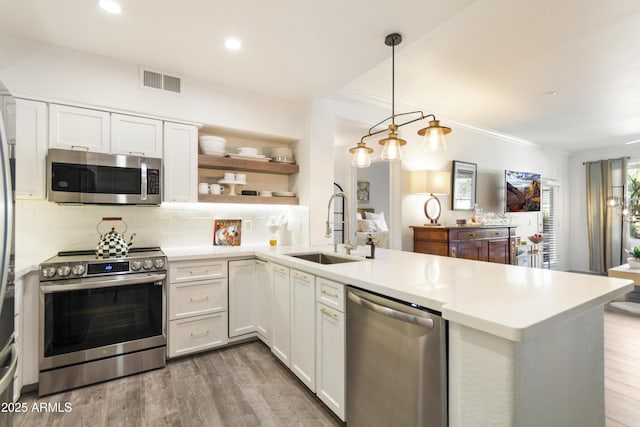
[(264, 291), (137, 136), (180, 162), (499, 251), (303, 353), (474, 249), (30, 135), (74, 128), (242, 294), (280, 316), (330, 358)]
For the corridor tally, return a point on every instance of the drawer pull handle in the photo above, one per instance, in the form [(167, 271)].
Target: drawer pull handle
[(80, 147), (199, 272), (329, 294), (301, 276), (328, 313), (136, 153), (199, 334), (200, 299)]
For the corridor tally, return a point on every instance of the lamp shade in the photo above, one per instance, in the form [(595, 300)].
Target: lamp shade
[(434, 136), (429, 182)]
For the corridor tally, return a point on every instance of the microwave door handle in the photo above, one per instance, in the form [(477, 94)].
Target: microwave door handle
[(143, 180)]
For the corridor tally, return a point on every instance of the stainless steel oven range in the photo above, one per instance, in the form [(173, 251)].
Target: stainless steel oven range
[(100, 318)]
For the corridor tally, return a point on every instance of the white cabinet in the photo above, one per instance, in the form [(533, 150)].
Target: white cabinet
[(264, 290), (75, 128), (242, 297), (180, 160), (197, 306), (303, 343), (137, 136), (330, 345), (280, 319), (29, 130)]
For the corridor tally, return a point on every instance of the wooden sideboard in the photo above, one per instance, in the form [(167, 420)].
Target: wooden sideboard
[(481, 243)]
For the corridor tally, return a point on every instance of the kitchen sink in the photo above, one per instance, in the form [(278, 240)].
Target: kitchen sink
[(324, 258)]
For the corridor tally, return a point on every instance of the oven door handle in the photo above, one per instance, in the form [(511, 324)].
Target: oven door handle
[(105, 283)]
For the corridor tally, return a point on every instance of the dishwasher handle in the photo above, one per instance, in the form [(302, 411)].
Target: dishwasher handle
[(390, 312)]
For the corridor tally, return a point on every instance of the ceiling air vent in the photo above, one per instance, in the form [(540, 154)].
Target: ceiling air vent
[(160, 81)]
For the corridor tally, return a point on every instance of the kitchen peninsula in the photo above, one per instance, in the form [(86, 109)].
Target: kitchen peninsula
[(525, 345)]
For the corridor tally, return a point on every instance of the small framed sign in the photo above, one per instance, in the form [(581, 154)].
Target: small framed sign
[(227, 232)]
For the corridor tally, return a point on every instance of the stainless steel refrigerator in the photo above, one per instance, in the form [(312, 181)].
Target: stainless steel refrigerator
[(8, 353)]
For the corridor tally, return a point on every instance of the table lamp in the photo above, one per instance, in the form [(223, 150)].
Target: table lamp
[(432, 183)]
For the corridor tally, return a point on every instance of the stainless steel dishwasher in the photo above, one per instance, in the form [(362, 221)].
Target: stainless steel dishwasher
[(396, 363)]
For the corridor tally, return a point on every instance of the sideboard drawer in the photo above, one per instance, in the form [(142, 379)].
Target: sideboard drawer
[(472, 234)]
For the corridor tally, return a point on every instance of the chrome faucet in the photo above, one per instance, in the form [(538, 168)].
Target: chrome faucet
[(347, 241)]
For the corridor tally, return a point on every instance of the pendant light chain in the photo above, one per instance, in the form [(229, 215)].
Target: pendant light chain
[(393, 83)]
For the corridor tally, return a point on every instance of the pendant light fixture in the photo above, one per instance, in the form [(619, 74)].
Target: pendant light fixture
[(391, 151)]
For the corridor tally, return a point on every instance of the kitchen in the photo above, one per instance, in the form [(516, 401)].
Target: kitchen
[(97, 82)]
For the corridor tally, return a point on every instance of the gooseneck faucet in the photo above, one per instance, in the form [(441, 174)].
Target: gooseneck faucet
[(347, 241)]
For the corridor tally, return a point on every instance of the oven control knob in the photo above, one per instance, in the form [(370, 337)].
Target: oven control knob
[(78, 269), (158, 263), (147, 264), (136, 265), (63, 271), (48, 272)]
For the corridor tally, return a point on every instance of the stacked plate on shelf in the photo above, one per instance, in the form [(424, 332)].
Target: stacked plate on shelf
[(282, 155), (249, 153), (212, 145), (283, 194)]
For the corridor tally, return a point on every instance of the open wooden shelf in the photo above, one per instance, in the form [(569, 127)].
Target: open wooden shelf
[(248, 199), (226, 163)]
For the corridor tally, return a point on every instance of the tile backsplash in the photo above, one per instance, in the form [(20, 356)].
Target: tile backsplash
[(44, 228)]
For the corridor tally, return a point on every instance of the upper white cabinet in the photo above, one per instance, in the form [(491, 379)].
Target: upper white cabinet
[(242, 297), (75, 128), (30, 135), (136, 136), (180, 162)]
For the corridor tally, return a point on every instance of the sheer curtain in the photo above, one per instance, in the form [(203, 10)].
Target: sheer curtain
[(605, 224)]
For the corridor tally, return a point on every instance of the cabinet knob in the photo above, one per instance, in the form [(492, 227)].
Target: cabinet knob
[(453, 252)]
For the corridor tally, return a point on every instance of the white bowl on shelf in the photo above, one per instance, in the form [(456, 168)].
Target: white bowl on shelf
[(249, 151), (212, 143)]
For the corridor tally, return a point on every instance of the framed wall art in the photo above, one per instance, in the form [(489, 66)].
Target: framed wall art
[(463, 185)]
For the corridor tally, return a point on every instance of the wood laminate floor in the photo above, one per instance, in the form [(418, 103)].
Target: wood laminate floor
[(622, 369), (242, 385), (245, 385)]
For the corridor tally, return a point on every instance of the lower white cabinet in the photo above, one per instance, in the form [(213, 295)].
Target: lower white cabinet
[(303, 343), (280, 319), (264, 289), (197, 306), (242, 297), (330, 358), (197, 333)]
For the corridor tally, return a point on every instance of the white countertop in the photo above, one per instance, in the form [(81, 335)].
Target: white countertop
[(508, 301)]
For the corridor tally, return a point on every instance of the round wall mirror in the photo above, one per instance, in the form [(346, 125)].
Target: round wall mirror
[(432, 209)]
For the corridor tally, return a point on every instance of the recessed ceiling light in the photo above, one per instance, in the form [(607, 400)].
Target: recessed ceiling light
[(233, 44), (110, 6), (548, 93)]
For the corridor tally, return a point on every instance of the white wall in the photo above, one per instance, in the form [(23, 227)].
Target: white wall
[(579, 255), (493, 154), (32, 69)]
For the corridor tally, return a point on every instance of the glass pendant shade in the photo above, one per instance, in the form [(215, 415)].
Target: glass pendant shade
[(361, 155), (391, 150), (434, 136)]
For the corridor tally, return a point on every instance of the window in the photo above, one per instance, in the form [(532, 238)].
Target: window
[(550, 198), (633, 197)]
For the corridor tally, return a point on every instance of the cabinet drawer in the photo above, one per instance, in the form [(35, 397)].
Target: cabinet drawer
[(330, 293), (190, 271), (471, 234), (197, 333), (497, 234), (197, 298), (430, 234)]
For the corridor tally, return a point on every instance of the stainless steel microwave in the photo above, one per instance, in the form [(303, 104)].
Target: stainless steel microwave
[(98, 178)]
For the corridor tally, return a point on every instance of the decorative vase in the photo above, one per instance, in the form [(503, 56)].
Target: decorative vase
[(633, 262)]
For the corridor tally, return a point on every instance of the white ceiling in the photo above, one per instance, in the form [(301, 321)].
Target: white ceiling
[(485, 63)]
